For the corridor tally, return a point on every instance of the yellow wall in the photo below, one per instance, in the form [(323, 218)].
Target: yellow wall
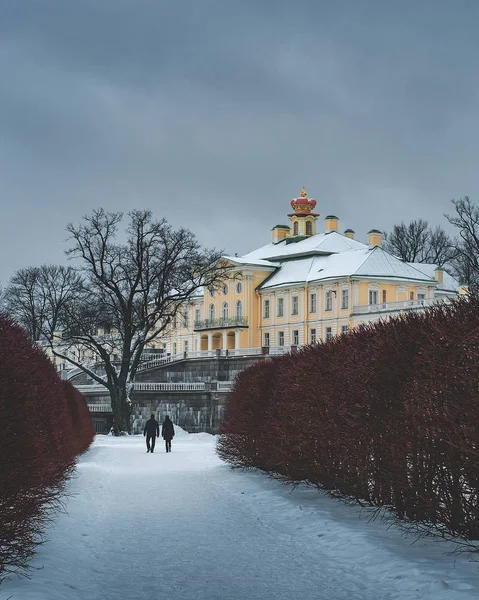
[(252, 336)]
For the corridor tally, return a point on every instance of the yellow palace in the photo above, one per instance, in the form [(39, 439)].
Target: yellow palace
[(302, 288)]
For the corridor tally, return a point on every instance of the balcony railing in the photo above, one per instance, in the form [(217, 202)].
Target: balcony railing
[(221, 323), (394, 306)]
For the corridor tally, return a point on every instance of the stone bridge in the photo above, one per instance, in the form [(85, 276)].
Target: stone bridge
[(192, 390)]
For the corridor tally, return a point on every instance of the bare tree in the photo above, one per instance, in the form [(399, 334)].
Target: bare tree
[(417, 242), (23, 301), (442, 249), (133, 290), (466, 220), (35, 297)]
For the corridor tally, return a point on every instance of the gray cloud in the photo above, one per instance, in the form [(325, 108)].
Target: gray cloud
[(215, 113)]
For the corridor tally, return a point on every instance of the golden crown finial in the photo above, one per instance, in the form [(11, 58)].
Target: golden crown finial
[(303, 192)]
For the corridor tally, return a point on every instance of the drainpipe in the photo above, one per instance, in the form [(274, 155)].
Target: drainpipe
[(306, 313), (350, 302)]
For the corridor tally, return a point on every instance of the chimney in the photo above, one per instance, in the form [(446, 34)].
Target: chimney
[(375, 237), (439, 275), (349, 233), (331, 223), (280, 232)]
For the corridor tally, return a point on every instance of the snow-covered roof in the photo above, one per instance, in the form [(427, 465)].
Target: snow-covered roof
[(331, 255), (198, 293), (382, 264), (366, 262), (247, 261), (321, 243), (449, 283)]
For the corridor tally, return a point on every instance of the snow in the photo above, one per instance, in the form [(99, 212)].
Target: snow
[(381, 264), (368, 262), (184, 525), (321, 243), (449, 284), (238, 260)]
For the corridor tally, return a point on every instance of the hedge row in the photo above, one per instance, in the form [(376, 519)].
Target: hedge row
[(44, 425), (387, 415)]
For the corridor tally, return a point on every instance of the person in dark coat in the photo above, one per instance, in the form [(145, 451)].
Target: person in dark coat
[(167, 432), (152, 431)]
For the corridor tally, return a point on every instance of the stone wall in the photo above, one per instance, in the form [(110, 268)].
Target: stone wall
[(198, 370), (193, 411)]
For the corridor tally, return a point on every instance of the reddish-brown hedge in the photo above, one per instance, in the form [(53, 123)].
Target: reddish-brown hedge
[(388, 415), (44, 425)]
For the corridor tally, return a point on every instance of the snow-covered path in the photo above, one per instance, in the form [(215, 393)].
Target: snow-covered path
[(184, 525)]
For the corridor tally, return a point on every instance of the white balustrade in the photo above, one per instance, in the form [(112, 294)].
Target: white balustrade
[(164, 387), (100, 408), (278, 350), (394, 306), (94, 388)]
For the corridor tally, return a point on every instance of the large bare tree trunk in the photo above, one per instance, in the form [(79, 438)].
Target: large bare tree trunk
[(121, 411)]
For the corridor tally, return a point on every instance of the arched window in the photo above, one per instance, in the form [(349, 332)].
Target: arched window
[(309, 228), (295, 228), (239, 309), (212, 312), (224, 311)]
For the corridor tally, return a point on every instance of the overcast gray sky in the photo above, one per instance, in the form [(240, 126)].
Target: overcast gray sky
[(214, 113)]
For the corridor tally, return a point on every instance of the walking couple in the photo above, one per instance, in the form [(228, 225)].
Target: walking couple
[(152, 431)]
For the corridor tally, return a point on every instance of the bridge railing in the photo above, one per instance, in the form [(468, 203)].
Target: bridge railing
[(106, 408), (220, 352), (95, 388), (165, 387)]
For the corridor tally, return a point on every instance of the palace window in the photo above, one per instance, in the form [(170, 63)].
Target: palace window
[(185, 319), (224, 289), (225, 310), (212, 292), (421, 298), (174, 347), (295, 337), (329, 333), (266, 339), (175, 322), (373, 296), (329, 300), (185, 346), (312, 336), (344, 328), (345, 298), (295, 228), (266, 309), (239, 309), (239, 287), (197, 314), (312, 302), (294, 305), (280, 307), (211, 312), (309, 228), (384, 296), (280, 338), (411, 295)]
